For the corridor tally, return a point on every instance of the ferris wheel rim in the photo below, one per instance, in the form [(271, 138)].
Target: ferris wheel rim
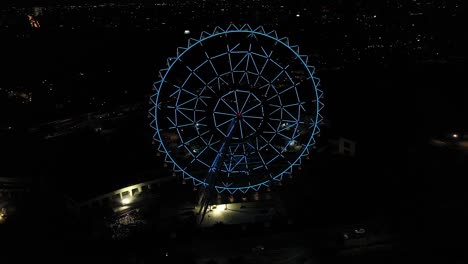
[(232, 29)]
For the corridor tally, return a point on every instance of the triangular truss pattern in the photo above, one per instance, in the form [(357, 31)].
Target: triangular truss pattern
[(285, 40), (180, 50), (278, 178), (256, 187), (320, 93), (246, 27), (273, 34), (316, 81), (156, 86), (218, 30), (295, 48), (192, 41), (260, 29), (162, 73), (311, 69), (153, 124), (170, 61), (204, 34), (232, 27)]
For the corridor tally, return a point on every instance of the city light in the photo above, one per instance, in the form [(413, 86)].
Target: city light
[(126, 201), (2, 215), (454, 135), (218, 209)]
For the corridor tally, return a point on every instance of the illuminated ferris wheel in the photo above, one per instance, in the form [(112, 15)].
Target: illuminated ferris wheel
[(236, 109)]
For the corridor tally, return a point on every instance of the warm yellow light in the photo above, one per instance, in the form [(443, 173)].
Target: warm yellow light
[(126, 201), (218, 209)]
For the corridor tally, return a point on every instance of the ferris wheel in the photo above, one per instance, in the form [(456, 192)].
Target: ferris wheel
[(236, 109)]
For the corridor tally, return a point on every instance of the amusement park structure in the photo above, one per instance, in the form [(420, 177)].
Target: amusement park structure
[(235, 110)]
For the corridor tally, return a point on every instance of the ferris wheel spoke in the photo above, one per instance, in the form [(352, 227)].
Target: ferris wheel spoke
[(208, 58), (189, 151), (263, 161), (239, 158), (251, 127), (246, 76), (179, 104), (224, 123), (295, 104), (189, 92), (254, 117), (254, 63), (287, 89), (234, 48), (225, 114), (199, 154), (230, 66), (282, 120), (240, 61), (182, 126), (240, 129), (277, 152), (220, 79), (284, 136), (201, 65), (259, 55), (283, 70), (252, 108), (245, 159), (264, 65), (237, 103), (245, 102), (264, 139), (202, 101), (274, 111), (196, 137), (226, 167), (190, 110), (186, 79), (273, 129), (237, 148), (247, 67), (263, 86), (182, 113), (199, 122), (232, 109), (295, 118)]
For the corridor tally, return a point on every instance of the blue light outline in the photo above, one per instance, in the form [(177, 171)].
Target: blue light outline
[(180, 53)]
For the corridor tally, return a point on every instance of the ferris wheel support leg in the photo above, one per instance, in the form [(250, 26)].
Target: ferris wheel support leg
[(208, 190)]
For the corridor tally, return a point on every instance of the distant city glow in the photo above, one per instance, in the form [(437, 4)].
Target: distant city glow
[(186, 32), (455, 135)]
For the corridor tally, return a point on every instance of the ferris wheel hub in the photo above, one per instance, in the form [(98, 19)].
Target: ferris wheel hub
[(244, 107)]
